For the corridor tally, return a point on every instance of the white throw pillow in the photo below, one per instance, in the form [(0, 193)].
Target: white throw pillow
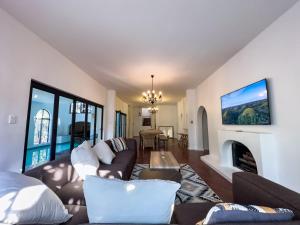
[(104, 152), (26, 200), (85, 161), (85, 144), (136, 201)]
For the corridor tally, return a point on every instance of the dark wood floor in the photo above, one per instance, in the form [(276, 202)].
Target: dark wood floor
[(220, 185)]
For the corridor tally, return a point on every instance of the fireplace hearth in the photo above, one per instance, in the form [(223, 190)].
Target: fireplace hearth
[(242, 158)]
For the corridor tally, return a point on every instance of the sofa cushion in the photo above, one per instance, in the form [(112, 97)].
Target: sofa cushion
[(125, 157), (72, 194), (115, 170), (235, 213), (117, 201), (191, 213), (79, 215), (54, 174), (104, 152), (85, 161), (26, 200)]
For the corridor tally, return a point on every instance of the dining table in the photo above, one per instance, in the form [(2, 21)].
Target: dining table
[(149, 133)]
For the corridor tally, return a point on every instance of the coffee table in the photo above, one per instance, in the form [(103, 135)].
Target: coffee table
[(161, 174), (163, 160)]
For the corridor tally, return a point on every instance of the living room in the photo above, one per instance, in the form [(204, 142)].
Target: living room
[(72, 77)]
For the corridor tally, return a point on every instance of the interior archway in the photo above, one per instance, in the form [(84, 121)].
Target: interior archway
[(202, 129)]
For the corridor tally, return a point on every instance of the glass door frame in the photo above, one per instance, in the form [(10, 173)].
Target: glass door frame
[(57, 93), (120, 128)]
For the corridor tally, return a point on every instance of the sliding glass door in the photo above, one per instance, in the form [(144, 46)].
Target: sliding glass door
[(40, 120), (118, 124), (120, 127), (80, 126), (64, 126), (123, 124), (56, 123)]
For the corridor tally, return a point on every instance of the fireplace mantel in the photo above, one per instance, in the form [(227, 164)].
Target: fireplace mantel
[(262, 146)]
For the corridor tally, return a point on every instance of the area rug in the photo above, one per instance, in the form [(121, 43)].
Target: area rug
[(193, 188)]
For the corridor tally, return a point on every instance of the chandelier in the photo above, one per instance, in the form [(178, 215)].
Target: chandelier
[(150, 96), (153, 109)]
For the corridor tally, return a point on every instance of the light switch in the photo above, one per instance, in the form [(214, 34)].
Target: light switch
[(12, 119)]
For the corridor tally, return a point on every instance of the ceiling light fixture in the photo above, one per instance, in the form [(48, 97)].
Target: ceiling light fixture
[(150, 96), (153, 109)]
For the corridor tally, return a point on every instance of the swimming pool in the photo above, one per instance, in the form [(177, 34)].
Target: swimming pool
[(38, 155)]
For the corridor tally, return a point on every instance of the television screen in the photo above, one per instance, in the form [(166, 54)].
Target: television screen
[(247, 106)]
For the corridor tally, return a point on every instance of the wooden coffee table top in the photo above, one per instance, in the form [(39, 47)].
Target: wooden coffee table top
[(163, 160)]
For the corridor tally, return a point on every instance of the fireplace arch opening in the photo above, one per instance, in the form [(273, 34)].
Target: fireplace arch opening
[(242, 157)]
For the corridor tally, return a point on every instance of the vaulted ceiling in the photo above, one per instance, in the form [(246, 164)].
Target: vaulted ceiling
[(121, 42)]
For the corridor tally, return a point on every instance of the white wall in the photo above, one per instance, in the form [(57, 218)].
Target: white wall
[(191, 98), (121, 106), (182, 115), (167, 116), (111, 114), (275, 55), (136, 120), (130, 122), (24, 56)]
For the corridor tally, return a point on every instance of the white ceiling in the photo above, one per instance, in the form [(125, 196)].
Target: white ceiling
[(122, 42)]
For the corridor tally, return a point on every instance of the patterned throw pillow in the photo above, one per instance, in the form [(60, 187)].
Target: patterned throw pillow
[(230, 213), (119, 144)]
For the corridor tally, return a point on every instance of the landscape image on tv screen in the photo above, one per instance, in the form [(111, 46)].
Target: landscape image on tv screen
[(247, 106)]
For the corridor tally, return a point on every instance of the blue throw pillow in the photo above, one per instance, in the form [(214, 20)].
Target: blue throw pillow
[(137, 201), (230, 213)]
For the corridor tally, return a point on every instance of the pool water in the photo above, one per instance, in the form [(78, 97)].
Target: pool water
[(38, 155)]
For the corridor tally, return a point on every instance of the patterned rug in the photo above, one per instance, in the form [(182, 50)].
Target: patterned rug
[(193, 188)]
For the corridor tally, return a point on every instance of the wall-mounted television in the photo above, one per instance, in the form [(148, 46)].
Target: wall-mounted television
[(247, 106)]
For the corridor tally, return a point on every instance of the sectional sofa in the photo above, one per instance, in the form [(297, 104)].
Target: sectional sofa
[(248, 188), (60, 176)]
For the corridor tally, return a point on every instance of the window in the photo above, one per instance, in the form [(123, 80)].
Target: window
[(120, 128), (41, 127), (56, 123)]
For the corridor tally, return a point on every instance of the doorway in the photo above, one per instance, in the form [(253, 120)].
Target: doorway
[(202, 128)]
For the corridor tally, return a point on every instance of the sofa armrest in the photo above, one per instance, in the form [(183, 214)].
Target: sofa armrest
[(131, 144), (249, 188)]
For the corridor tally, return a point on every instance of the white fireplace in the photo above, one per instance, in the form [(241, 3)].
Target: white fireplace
[(261, 145)]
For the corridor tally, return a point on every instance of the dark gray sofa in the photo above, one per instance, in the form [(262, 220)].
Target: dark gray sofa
[(60, 176), (248, 188)]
